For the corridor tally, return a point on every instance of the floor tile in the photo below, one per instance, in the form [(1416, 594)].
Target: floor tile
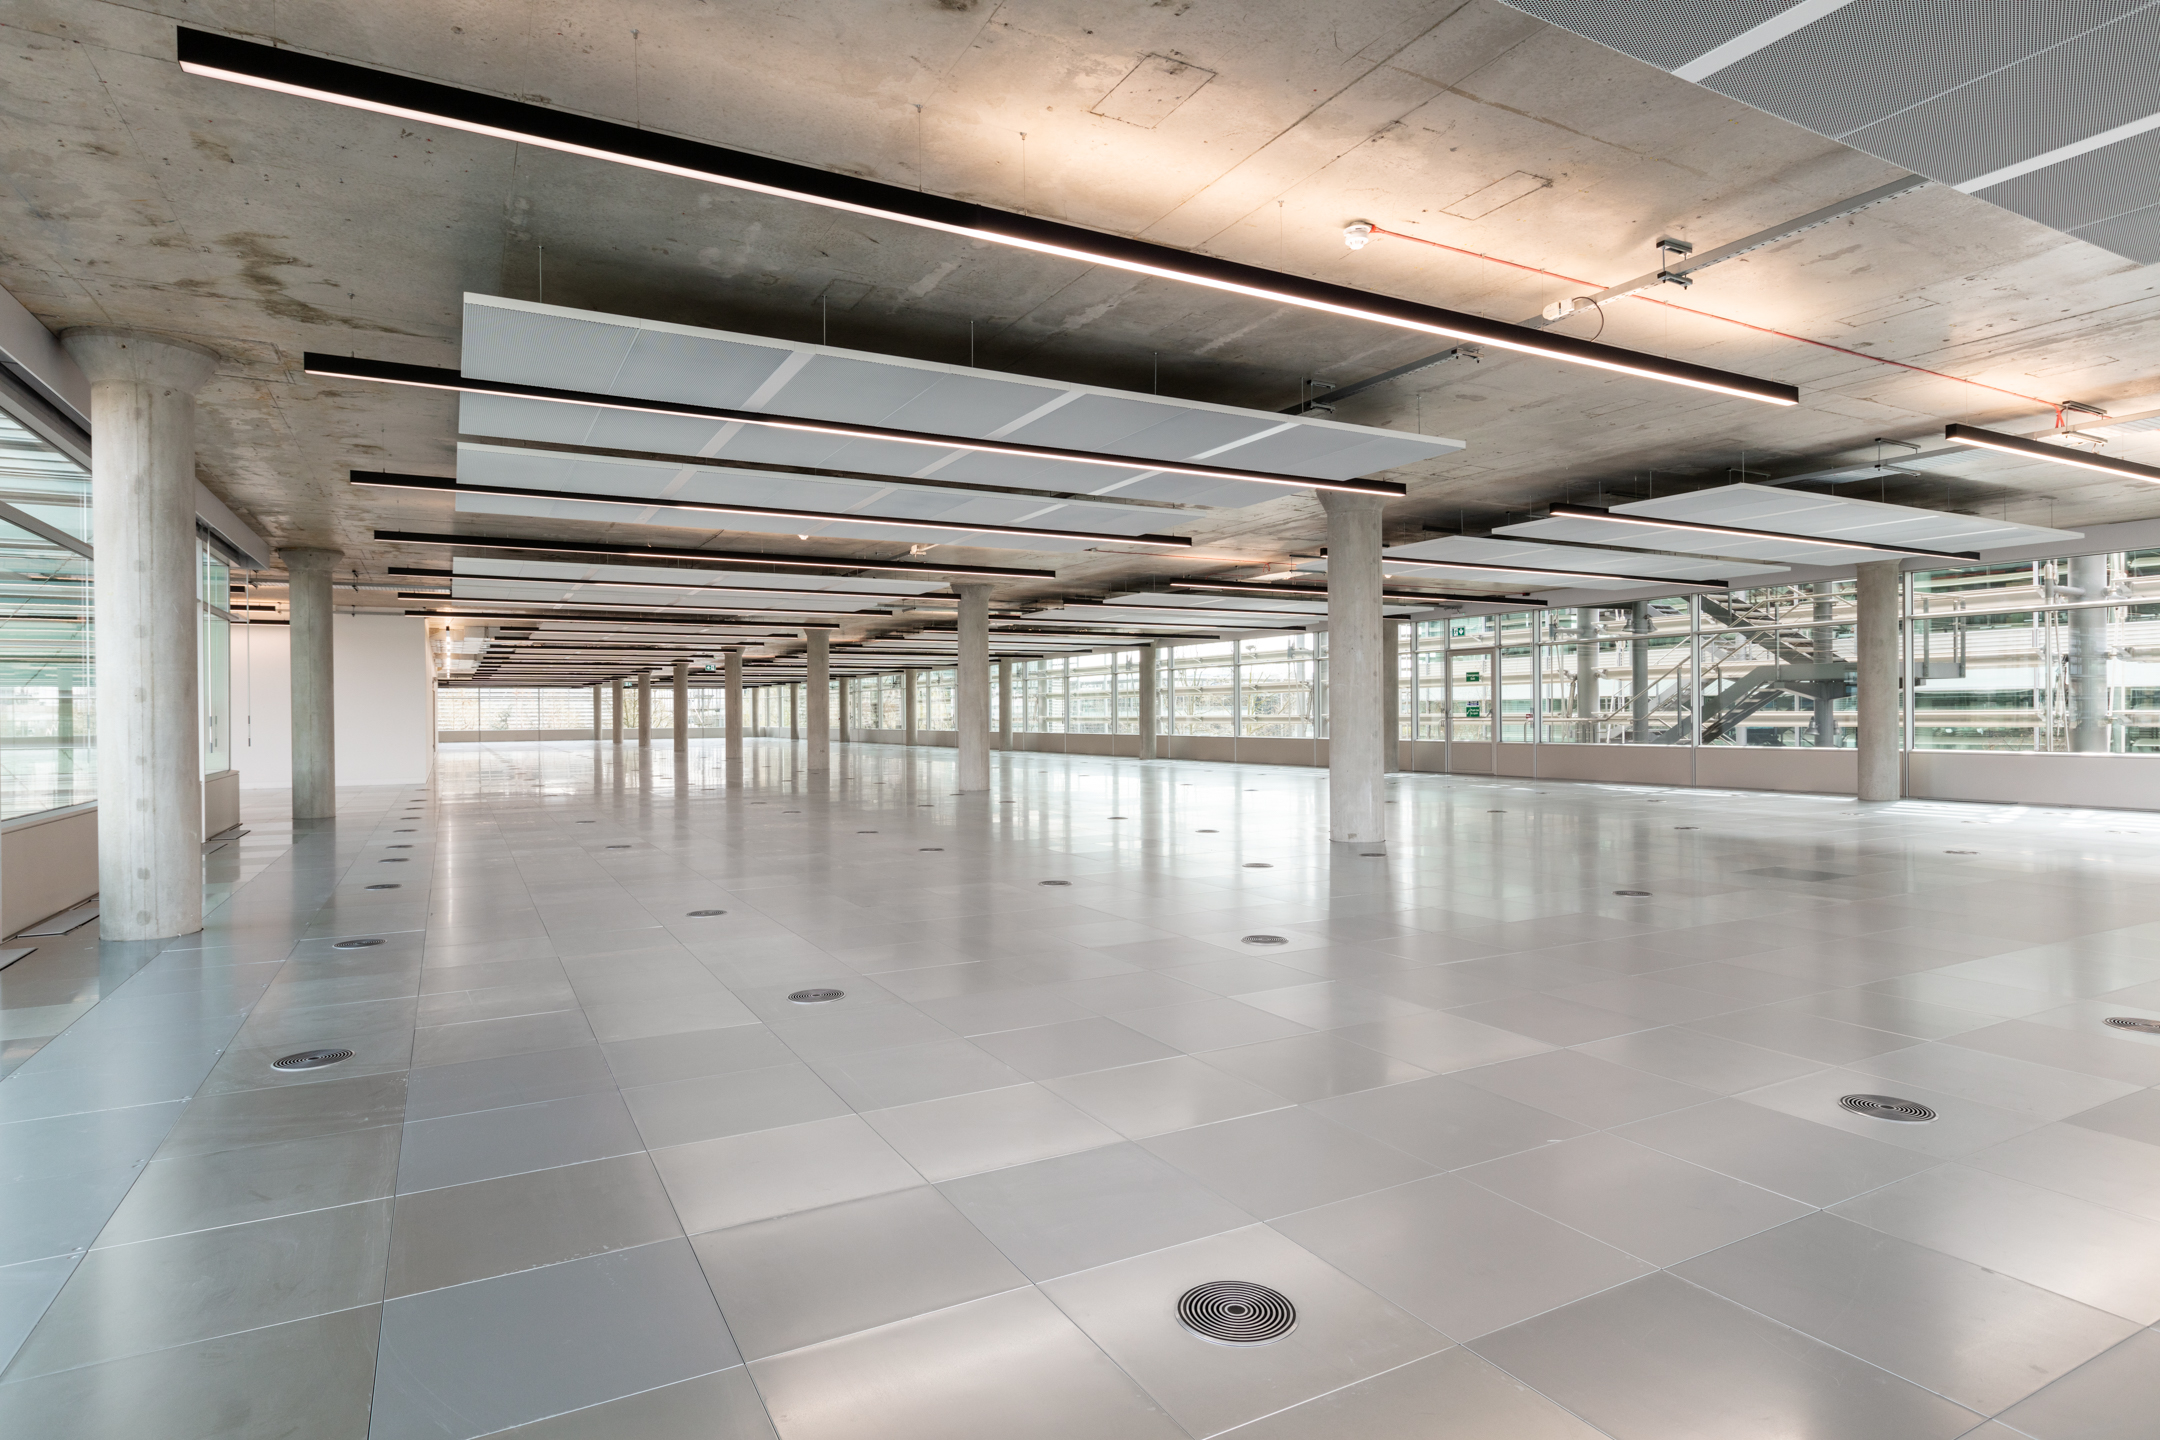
[(1909, 1309), (1344, 1332), (1811, 1163), (2089, 1164), (1007, 1365), (688, 1054), (474, 1359), (1284, 1160), (1659, 1359), (820, 1274), (1045, 1052), (484, 1144), (740, 1178), (988, 1130), (1442, 1041), (1723, 1067), (1454, 1395), (259, 1182), (1961, 1125), (1309, 1067), (2019, 1086), (1163, 1095), (441, 1090), (1461, 1258), (1207, 1024), (1646, 1203), (721, 1406), (2110, 1397), (1583, 1088), (1054, 1217), (733, 1103), (1445, 1122), (2134, 1117), (1812, 1037)]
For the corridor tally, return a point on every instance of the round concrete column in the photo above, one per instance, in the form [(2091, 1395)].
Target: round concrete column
[(1147, 702), (1004, 684), (731, 678), (644, 715), (596, 714), (682, 707), (907, 706), (1390, 695), (2089, 727), (971, 697), (1355, 766), (615, 704), (149, 710), (1877, 705), (314, 683), (817, 702)]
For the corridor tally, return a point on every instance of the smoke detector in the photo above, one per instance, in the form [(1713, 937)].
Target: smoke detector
[(1357, 234)]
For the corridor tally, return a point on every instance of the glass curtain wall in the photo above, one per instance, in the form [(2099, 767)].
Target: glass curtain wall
[(214, 659), (48, 713)]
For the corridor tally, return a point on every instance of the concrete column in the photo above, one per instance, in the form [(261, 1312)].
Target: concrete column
[(615, 709), (1355, 767), (2088, 657), (731, 679), (1878, 703), (907, 706), (314, 737), (1822, 643), (846, 700), (682, 707), (596, 714), (794, 713), (971, 695), (1390, 694), (817, 699), (1586, 668), (1004, 684), (644, 712), (149, 712), (1147, 702), (1638, 677)]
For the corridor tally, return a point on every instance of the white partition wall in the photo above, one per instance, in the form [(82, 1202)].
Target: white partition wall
[(384, 702)]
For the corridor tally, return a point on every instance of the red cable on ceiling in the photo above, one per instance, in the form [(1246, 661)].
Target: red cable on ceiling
[(1727, 319)]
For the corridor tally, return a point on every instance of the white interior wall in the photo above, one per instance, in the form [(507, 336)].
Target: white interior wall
[(384, 702)]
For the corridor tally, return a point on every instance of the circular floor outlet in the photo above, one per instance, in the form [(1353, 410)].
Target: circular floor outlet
[(1687, 827), (1236, 1312), (930, 849), (815, 997), (1631, 892), (1265, 940), (311, 1059), (1372, 854), (866, 832), (404, 832), (1207, 832), (1961, 852), (1496, 812), (393, 860), (367, 944), (1886, 1107), (2135, 1022), (1053, 882), (401, 845), (387, 885), (704, 914), (1259, 865), (618, 847), (1118, 817)]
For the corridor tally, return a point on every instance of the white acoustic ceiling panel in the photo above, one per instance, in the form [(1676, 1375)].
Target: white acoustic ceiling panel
[(545, 345), (635, 479), (1471, 549), (1791, 512), (508, 581)]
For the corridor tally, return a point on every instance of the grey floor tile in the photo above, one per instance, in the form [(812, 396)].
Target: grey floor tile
[(2089, 1164), (721, 1406), (259, 1182), (1284, 1160), (825, 1036), (739, 1178), (2082, 1044), (305, 1377), (475, 1359), (733, 1103), (1723, 1067), (1811, 1163), (1207, 1024), (691, 1053), (1909, 1309), (1551, 1019), (1961, 1125), (1659, 1359), (133, 1299), (1646, 1203), (2134, 1117), (1345, 1333), (1583, 1088), (2101, 1257), (1007, 1365), (493, 1227), (1454, 1395), (1161, 1095), (1442, 1041), (26, 1288), (2110, 1397), (988, 1130), (1446, 1123), (1331, 1004), (1309, 1067), (440, 1090), (1057, 1216), (1045, 1052), (821, 1274), (484, 1144), (667, 1015), (485, 1039), (1461, 1258), (2019, 1086), (879, 1079), (1812, 1037)]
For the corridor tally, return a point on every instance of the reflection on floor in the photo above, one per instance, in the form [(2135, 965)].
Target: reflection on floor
[(1534, 1156)]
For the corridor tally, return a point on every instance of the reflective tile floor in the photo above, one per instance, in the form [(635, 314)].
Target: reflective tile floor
[(1534, 1157)]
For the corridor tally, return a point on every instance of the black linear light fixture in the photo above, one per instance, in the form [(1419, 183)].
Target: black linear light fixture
[(435, 377), (714, 627), (718, 559), (382, 480), (1190, 615), (1584, 512), (691, 609), (770, 592), (289, 72), (1392, 599), (2053, 454)]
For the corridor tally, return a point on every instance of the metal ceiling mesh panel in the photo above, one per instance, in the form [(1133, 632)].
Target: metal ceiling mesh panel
[(2136, 235), (1667, 33), (2085, 189)]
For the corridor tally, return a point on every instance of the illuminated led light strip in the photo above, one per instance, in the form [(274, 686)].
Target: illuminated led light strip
[(1580, 512), (770, 592), (2053, 454), (608, 605), (385, 481), (649, 617), (435, 377), (726, 559), (289, 72)]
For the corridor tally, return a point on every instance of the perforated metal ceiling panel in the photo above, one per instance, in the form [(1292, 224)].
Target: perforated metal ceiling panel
[(1992, 96), (847, 591), (544, 345)]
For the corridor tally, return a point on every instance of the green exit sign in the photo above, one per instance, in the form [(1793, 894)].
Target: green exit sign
[(1471, 677), (1470, 711)]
